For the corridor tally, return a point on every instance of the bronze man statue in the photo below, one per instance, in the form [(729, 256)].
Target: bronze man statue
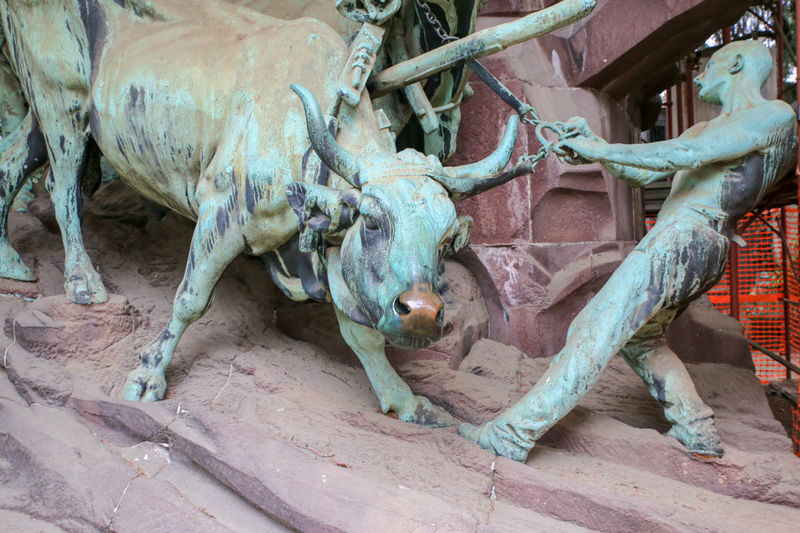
[(721, 169)]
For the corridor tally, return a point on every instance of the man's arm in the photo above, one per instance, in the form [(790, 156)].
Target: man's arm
[(725, 140), (635, 177)]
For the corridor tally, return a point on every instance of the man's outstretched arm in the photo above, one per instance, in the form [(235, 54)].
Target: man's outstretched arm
[(636, 177), (724, 140)]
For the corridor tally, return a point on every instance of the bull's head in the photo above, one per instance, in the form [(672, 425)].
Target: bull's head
[(399, 223)]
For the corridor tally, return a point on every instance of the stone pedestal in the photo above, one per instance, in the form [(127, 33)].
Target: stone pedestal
[(545, 243)]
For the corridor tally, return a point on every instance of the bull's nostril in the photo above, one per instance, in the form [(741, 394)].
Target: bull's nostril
[(400, 308), (440, 316)]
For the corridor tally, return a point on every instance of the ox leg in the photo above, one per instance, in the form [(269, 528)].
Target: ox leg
[(211, 251), (82, 284), (393, 393), (23, 151)]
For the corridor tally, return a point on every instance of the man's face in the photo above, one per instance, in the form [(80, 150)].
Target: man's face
[(713, 82)]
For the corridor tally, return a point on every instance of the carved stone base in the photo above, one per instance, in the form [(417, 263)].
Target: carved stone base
[(261, 432)]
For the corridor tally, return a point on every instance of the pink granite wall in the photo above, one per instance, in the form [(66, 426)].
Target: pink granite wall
[(544, 244)]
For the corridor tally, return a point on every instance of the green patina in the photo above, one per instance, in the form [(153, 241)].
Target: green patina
[(190, 102), (721, 170)]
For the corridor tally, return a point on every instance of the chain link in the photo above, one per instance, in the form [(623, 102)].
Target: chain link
[(435, 25)]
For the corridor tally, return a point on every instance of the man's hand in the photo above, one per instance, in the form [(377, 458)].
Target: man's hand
[(581, 150), (579, 126), (580, 145)]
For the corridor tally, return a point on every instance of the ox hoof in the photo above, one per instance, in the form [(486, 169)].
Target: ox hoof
[(489, 437), (12, 266), (84, 286), (423, 413), (144, 385)]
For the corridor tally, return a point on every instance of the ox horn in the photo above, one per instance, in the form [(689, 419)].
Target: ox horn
[(496, 162), (479, 44), (329, 151), (468, 180)]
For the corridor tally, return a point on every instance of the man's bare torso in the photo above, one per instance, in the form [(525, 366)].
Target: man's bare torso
[(725, 191)]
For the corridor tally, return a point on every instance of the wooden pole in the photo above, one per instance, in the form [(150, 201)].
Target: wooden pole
[(479, 44)]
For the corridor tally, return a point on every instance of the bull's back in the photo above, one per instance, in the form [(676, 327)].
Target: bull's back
[(169, 96)]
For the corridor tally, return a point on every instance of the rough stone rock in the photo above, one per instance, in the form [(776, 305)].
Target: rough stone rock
[(261, 432), (533, 292), (494, 360), (704, 335)]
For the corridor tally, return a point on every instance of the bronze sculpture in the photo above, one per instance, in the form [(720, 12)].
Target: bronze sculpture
[(191, 103), (721, 170)]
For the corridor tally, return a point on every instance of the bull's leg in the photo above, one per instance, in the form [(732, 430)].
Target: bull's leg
[(669, 383), (212, 250), (21, 152), (393, 393), (82, 284)]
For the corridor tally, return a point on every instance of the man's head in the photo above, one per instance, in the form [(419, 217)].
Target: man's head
[(743, 62)]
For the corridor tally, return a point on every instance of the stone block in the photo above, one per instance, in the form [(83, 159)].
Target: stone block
[(702, 334), (512, 7), (501, 213), (533, 292), (594, 53)]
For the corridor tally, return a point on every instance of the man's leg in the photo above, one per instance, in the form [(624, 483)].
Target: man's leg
[(627, 301), (669, 383)]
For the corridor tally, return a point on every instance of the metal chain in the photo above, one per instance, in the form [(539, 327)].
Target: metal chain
[(528, 114), (435, 25)]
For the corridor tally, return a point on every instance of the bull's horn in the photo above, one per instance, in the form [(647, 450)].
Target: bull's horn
[(461, 188), (468, 180), (479, 44), (496, 162), (329, 151)]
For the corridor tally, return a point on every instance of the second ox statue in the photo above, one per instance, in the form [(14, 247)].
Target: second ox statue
[(191, 103)]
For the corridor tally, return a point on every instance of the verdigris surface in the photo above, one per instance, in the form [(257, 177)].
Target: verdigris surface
[(721, 170), (191, 104)]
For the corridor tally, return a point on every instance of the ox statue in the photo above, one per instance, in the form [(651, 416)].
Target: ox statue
[(191, 103)]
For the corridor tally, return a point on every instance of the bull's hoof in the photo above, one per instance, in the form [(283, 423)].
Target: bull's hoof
[(12, 266), (423, 413), (490, 437), (699, 437), (144, 385), (84, 286)]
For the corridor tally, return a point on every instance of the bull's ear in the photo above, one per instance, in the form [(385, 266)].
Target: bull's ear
[(463, 233), (321, 211)]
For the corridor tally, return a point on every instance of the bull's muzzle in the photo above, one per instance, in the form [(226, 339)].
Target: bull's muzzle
[(421, 311)]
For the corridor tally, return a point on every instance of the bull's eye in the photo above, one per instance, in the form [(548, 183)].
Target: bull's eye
[(371, 223)]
